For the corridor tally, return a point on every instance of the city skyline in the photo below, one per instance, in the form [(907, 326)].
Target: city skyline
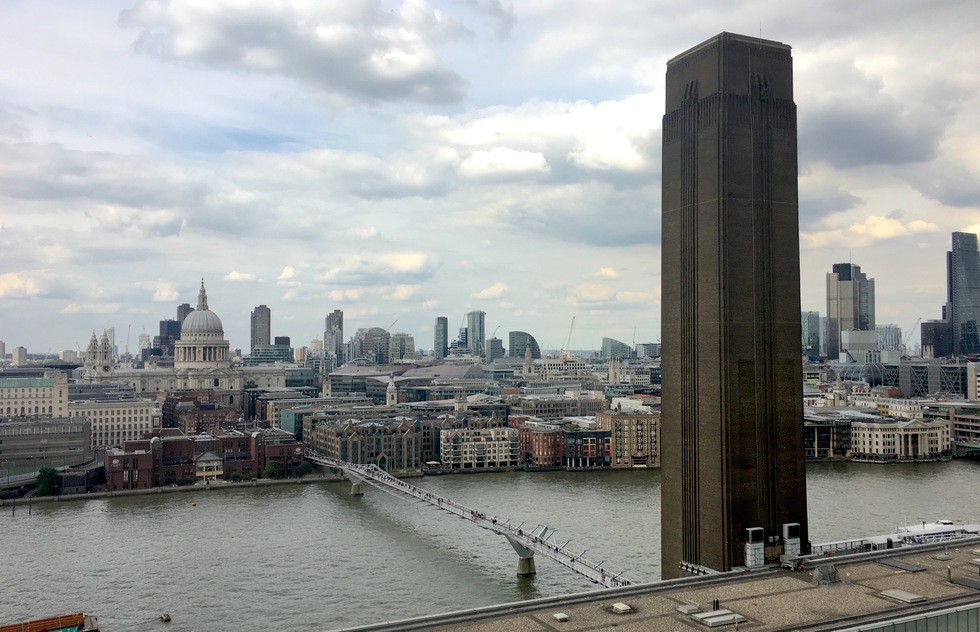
[(146, 145)]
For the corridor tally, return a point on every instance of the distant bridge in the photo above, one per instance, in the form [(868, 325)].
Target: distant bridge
[(526, 542)]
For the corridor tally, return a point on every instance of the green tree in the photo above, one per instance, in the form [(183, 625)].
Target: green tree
[(304, 469), (272, 470), (47, 481)]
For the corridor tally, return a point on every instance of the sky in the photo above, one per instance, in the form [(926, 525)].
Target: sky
[(407, 159)]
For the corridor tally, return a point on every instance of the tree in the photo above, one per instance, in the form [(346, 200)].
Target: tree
[(47, 481), (272, 470), (304, 469)]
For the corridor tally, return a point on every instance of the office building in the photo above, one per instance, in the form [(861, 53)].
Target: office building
[(963, 293), (401, 346), (612, 348), (440, 340), (889, 337), (647, 350), (810, 322), (333, 339), (850, 304), (45, 396), (476, 332), (936, 337), (732, 438), (495, 349), (19, 356), (261, 326), (182, 311), (520, 341)]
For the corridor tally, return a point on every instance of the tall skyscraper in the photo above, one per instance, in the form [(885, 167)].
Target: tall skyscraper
[(261, 326), (333, 338), (476, 332), (850, 304), (440, 342), (733, 472), (183, 310), (810, 321), (963, 293)]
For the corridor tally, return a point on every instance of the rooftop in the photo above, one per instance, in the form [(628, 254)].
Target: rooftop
[(770, 600)]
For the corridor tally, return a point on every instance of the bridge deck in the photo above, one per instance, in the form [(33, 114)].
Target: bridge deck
[(525, 542)]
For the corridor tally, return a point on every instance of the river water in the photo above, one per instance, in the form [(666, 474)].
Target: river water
[(312, 557)]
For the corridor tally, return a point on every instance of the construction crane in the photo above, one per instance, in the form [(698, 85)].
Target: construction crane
[(568, 342), (495, 331), (129, 330), (388, 328), (903, 349)]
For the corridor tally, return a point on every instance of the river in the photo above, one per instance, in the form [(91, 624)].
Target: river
[(313, 557)]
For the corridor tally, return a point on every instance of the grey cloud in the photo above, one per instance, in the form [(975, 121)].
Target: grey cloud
[(819, 201), (950, 184), (854, 135), (357, 50), (598, 217), (504, 15), (13, 121), (51, 172)]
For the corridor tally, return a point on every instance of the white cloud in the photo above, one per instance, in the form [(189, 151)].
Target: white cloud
[(13, 284), (503, 161), (165, 292), (240, 277), (608, 273), (589, 293), (287, 273), (403, 292), (90, 308), (494, 291)]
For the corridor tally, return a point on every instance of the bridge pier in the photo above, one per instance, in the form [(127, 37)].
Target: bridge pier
[(356, 489), (525, 566)]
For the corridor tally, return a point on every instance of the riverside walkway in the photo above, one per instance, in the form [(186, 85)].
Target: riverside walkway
[(526, 542)]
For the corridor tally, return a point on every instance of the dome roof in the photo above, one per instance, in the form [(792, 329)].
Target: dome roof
[(202, 320)]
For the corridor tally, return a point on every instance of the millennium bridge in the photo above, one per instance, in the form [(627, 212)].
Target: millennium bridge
[(526, 542)]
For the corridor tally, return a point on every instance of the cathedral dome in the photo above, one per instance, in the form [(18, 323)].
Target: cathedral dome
[(202, 320)]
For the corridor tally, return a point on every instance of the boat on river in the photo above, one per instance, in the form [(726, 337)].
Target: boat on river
[(908, 535), (77, 622)]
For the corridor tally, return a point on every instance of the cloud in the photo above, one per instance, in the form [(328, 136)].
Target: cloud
[(403, 292), (632, 297), (15, 285), (165, 293), (407, 267), (608, 273), (288, 272), (877, 227), (240, 277), (90, 308), (501, 11), (351, 294), (503, 161), (872, 229), (858, 122), (356, 49), (494, 291), (589, 293)]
